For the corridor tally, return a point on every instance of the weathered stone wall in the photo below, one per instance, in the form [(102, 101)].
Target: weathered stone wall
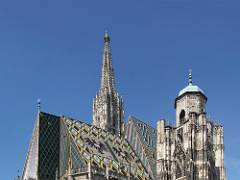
[(194, 149), (189, 103)]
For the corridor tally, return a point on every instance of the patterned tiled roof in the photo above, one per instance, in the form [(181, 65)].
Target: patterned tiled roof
[(142, 138), (104, 150), (61, 146)]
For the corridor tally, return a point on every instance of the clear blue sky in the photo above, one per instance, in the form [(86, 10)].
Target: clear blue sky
[(53, 50)]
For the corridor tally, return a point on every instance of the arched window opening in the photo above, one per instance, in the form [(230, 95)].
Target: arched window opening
[(182, 116)]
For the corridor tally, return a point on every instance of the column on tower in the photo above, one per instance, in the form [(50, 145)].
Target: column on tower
[(164, 150), (219, 150)]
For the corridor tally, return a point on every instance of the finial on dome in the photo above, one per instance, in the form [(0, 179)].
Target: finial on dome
[(39, 105), (190, 77), (106, 37)]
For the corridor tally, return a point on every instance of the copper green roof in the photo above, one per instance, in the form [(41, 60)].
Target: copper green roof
[(190, 88)]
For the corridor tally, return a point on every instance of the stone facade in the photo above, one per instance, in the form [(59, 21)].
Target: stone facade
[(63, 148), (193, 149)]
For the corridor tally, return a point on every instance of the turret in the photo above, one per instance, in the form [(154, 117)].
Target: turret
[(190, 99)]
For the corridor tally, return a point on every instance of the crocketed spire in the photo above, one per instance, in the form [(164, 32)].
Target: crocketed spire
[(108, 80), (108, 111)]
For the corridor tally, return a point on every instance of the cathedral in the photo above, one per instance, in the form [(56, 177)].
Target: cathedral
[(64, 148)]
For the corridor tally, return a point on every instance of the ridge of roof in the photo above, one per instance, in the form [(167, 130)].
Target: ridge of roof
[(141, 121)]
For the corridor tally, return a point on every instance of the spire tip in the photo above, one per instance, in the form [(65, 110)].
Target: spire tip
[(39, 105), (106, 36), (190, 77)]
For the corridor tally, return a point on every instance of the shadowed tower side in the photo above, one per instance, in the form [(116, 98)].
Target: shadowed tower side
[(107, 104)]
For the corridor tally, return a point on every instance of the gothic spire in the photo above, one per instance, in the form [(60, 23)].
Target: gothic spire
[(108, 111), (107, 81)]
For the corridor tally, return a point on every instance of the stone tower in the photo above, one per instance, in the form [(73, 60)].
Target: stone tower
[(190, 99), (193, 149), (108, 111)]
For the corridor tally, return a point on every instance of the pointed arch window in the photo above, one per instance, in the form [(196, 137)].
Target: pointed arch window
[(182, 117)]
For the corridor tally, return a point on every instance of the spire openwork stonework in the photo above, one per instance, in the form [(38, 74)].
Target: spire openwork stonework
[(107, 104), (107, 80)]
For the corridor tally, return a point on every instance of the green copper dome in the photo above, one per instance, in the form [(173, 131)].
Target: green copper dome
[(190, 87)]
